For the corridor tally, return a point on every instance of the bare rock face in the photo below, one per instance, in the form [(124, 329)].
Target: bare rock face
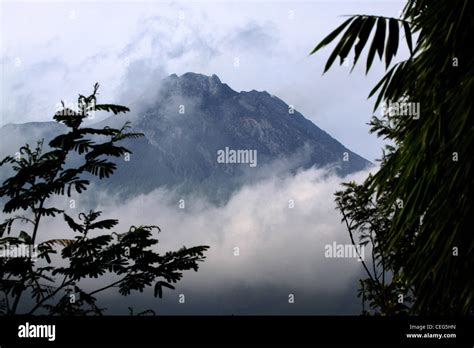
[(196, 117)]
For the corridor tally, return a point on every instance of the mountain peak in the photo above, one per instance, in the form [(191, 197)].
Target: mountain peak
[(191, 81), (196, 78), (197, 84), (194, 117)]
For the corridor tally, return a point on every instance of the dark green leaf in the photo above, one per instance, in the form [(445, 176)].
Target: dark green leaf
[(378, 42), (392, 43), (328, 39), (363, 37)]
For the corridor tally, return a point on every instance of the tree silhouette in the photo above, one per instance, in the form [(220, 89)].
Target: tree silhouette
[(128, 256), (369, 217), (426, 242)]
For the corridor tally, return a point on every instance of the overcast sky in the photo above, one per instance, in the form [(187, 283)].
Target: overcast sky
[(51, 51)]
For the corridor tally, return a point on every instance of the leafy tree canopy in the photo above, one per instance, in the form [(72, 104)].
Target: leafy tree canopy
[(127, 257), (425, 242)]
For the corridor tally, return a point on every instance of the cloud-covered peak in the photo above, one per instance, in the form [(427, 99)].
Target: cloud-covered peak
[(195, 84)]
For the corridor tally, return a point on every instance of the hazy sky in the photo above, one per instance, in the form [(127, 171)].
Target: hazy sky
[(51, 51)]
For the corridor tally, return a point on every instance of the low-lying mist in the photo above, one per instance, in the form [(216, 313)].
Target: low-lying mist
[(267, 245)]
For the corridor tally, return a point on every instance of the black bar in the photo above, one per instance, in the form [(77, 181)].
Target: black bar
[(241, 329)]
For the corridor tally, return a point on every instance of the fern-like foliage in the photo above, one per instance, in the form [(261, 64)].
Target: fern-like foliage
[(39, 176)]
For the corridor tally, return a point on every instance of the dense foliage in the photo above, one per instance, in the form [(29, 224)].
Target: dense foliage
[(426, 241), (126, 260)]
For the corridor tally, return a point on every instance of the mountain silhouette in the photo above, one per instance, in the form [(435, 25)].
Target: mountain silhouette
[(192, 119)]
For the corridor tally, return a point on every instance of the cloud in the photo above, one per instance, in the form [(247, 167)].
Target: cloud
[(62, 49), (281, 249), (254, 37), (67, 53)]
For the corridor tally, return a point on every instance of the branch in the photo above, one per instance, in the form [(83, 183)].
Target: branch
[(354, 244), (106, 287), (63, 284), (373, 255)]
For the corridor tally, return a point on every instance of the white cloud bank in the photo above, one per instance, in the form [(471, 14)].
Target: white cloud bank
[(280, 225), (281, 249)]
